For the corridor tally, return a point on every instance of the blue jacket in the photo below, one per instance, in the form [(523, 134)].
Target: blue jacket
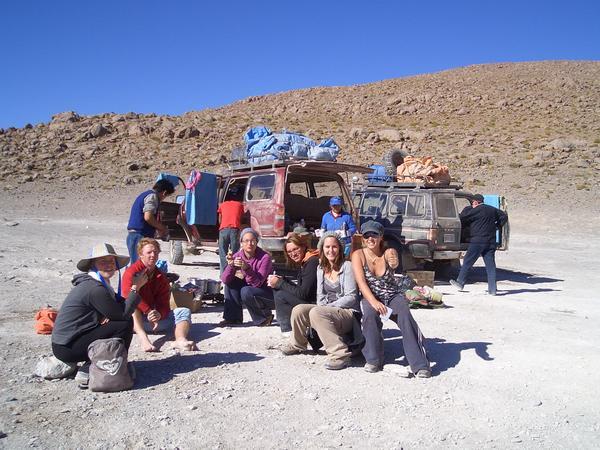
[(136, 217), (329, 223)]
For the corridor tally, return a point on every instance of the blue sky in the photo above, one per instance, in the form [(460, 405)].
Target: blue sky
[(171, 57)]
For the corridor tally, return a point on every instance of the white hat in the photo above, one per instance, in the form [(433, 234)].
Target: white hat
[(98, 251)]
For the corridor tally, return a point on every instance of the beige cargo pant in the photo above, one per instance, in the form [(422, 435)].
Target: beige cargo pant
[(331, 324)]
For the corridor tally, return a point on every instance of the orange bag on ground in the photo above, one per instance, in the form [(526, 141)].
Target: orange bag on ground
[(44, 320)]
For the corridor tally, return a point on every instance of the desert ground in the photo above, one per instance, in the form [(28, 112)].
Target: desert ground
[(520, 370)]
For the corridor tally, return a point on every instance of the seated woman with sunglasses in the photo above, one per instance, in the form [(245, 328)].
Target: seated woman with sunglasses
[(304, 290), (374, 272), (245, 280)]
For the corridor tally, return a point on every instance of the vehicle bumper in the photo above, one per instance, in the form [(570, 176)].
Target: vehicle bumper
[(446, 255)]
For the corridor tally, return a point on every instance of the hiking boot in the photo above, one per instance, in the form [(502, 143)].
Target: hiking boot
[(83, 376), (457, 285), (423, 373), (289, 349), (372, 368), (267, 321), (336, 364), (229, 323)]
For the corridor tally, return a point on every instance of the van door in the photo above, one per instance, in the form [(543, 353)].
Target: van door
[(446, 221), (263, 194), (502, 235)]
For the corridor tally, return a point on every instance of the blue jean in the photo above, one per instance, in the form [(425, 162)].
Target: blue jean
[(258, 300), (167, 324), (412, 339), (487, 252), (229, 238), (133, 237)]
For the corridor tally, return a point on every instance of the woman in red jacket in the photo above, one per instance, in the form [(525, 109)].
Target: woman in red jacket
[(153, 314)]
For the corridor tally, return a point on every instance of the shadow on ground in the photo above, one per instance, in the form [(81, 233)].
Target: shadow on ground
[(443, 355), (161, 371)]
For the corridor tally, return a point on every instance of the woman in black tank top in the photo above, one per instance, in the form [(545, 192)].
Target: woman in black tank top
[(374, 272)]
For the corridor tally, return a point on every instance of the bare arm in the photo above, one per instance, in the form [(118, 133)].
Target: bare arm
[(153, 221)]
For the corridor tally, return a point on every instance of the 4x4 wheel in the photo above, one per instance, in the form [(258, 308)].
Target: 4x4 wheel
[(176, 254)]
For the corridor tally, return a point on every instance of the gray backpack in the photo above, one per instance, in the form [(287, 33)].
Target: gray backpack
[(108, 369)]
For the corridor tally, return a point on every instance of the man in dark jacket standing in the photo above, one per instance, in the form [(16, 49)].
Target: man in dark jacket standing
[(142, 218), (483, 221)]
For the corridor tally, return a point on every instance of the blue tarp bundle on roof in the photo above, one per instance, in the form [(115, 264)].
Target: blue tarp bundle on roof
[(264, 145)]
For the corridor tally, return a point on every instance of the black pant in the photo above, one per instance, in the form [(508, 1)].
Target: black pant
[(284, 303), (77, 350)]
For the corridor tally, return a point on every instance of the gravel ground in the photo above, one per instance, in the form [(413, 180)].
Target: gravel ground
[(515, 371)]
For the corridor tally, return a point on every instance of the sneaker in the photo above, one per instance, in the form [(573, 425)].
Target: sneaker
[(336, 364), (457, 285), (423, 373), (83, 376), (289, 349), (372, 368)]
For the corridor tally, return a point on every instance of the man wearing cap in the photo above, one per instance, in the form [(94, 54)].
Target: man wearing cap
[(92, 310), (142, 218), (483, 221), (336, 219)]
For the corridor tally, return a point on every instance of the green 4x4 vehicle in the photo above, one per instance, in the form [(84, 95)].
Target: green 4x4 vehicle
[(422, 221)]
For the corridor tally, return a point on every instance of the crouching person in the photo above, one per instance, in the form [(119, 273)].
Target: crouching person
[(333, 317), (92, 310), (153, 314)]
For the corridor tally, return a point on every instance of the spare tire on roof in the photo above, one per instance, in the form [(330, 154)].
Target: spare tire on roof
[(393, 159)]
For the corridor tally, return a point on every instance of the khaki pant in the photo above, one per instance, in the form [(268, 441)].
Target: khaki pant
[(330, 322)]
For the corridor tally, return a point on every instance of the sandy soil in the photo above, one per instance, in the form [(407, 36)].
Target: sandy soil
[(520, 370)]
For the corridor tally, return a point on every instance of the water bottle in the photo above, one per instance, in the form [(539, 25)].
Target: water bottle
[(344, 229)]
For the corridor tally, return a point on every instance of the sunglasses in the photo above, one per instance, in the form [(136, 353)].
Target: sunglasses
[(371, 234)]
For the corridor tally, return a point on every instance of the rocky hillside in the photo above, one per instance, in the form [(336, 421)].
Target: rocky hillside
[(529, 130)]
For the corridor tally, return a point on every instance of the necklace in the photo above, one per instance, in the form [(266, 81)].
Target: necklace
[(371, 256)]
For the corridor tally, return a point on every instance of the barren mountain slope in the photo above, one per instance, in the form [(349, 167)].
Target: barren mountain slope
[(528, 130)]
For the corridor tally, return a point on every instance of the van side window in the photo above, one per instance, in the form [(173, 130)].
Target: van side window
[(445, 206), (261, 187), (373, 204), (462, 203), (236, 189), (415, 205), (398, 205)]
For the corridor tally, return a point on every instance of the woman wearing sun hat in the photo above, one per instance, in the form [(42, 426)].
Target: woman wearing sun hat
[(374, 272), (92, 310)]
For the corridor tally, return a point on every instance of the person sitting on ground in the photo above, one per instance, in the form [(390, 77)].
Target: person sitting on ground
[(336, 219), (142, 218), (92, 310), (245, 280), (374, 272), (153, 314), (333, 317), (288, 294)]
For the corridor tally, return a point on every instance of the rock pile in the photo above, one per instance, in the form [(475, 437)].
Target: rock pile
[(524, 129)]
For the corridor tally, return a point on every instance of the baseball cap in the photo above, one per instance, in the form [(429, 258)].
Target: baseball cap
[(335, 201), (371, 226)]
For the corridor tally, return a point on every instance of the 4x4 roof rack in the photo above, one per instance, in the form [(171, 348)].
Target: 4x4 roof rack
[(245, 167), (414, 185)]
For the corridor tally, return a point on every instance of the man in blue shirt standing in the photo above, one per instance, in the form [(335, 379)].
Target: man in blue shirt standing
[(142, 219), (336, 219)]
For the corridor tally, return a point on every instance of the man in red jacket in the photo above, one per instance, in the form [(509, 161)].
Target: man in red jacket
[(153, 313)]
